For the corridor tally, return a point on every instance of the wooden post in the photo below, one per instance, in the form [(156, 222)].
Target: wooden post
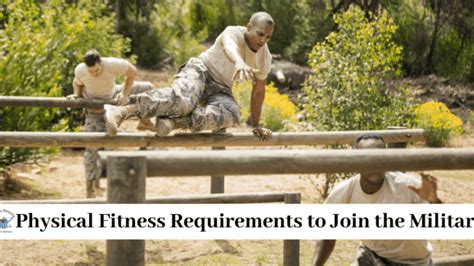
[(398, 145), (218, 181), (126, 184), (291, 248)]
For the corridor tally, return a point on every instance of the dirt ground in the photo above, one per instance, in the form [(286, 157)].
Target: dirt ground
[(62, 176)]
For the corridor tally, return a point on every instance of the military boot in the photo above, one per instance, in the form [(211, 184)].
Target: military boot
[(115, 115)]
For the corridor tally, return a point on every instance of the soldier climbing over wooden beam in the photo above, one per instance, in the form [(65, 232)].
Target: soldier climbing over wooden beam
[(200, 97)]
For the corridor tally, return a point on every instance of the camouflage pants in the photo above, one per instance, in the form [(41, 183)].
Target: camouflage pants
[(208, 104), (95, 122)]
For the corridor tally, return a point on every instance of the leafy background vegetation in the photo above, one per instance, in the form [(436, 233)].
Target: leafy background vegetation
[(42, 41), (438, 121), (277, 110), (347, 88)]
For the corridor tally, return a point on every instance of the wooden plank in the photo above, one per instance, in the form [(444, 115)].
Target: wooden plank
[(50, 102), (83, 139), (126, 184), (252, 162), (263, 197)]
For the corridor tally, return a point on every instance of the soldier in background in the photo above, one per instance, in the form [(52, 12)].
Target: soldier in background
[(95, 79)]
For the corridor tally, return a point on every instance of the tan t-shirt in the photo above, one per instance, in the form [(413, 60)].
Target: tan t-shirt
[(394, 190), (222, 69), (102, 86)]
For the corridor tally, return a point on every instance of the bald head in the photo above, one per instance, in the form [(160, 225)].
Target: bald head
[(260, 18), (259, 30)]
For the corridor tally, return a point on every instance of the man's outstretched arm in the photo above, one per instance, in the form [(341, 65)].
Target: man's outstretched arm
[(256, 103), (231, 51), (323, 250)]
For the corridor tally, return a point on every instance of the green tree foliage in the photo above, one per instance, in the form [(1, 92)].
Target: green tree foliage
[(298, 24), (211, 17), (41, 43), (133, 19), (284, 13), (161, 31), (348, 89), (171, 22), (438, 37), (311, 23)]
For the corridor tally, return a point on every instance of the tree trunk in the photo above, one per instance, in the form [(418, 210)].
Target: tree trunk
[(117, 15), (436, 6)]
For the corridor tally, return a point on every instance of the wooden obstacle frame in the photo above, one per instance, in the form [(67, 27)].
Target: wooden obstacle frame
[(219, 163), (126, 173)]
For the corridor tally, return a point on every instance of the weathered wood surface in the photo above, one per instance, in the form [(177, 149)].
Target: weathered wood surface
[(291, 247), (50, 102), (218, 182), (126, 179), (251, 162), (126, 184), (463, 260), (65, 139), (263, 197)]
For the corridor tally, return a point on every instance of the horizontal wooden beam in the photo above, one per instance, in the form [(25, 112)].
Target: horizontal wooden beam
[(462, 260), (249, 162), (66, 139), (188, 199), (49, 102)]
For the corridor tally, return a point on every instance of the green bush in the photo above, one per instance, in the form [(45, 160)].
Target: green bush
[(41, 44), (348, 87)]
